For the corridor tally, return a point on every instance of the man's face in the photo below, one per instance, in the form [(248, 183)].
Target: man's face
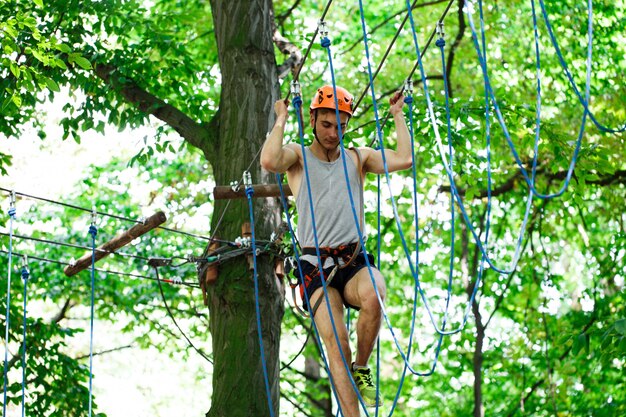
[(326, 127)]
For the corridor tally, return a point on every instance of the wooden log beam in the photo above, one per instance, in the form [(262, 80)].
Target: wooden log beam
[(117, 242), (260, 190)]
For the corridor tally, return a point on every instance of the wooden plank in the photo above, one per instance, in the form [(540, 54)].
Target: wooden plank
[(260, 190), (117, 242)]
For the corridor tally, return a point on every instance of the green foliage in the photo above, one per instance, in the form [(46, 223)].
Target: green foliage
[(554, 330)]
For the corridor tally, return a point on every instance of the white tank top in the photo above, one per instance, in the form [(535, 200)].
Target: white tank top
[(334, 218)]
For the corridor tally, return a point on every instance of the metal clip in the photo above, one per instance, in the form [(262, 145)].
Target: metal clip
[(94, 214), (440, 31), (234, 185), (247, 179), (322, 29), (12, 199), (408, 87), (295, 88)]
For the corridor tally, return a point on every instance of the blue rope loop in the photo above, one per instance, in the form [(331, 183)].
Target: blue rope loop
[(25, 273), (441, 42), (93, 230), (408, 100), (297, 101), (12, 212), (249, 191), (325, 42)]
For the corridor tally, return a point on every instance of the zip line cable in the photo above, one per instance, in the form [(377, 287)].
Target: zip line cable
[(155, 265), (74, 246), (430, 38), (109, 272), (113, 216)]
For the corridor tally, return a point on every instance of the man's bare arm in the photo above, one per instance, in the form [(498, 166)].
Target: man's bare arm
[(397, 159), (274, 156)]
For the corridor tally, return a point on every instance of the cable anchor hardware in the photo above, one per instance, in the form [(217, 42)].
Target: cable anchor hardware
[(322, 28), (440, 30), (408, 87), (234, 185), (295, 89)]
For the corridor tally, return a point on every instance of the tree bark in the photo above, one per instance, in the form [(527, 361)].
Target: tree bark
[(243, 32), (477, 360)]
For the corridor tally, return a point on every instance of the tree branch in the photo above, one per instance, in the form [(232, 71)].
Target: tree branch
[(191, 131), (282, 17), (618, 177), (295, 60)]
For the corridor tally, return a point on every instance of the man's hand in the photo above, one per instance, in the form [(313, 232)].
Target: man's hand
[(397, 102), (280, 108)]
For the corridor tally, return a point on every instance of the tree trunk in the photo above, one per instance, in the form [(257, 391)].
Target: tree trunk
[(477, 362), (248, 90)]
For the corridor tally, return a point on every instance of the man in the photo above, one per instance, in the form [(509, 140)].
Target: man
[(350, 283)]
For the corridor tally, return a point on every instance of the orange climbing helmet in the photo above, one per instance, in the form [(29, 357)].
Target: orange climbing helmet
[(323, 99)]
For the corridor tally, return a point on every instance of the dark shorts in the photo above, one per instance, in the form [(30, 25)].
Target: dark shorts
[(313, 280)]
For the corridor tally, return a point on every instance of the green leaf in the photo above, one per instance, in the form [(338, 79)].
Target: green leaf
[(38, 2), (52, 85), (82, 62), (17, 100), (620, 326), (15, 69), (64, 48)]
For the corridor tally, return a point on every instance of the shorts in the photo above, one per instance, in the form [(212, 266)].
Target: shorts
[(313, 281)]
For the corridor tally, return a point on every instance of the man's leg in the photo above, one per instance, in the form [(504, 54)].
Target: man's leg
[(341, 378), (360, 292)]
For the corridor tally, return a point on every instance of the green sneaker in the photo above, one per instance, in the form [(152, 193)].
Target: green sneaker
[(363, 380)]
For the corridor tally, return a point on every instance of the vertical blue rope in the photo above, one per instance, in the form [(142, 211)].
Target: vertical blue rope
[(297, 103), (93, 231), (249, 193), (25, 275), (12, 212), (441, 43)]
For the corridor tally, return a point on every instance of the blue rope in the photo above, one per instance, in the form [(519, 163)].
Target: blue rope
[(298, 104), (351, 198), (249, 193), (299, 266), (507, 135), (584, 101), (441, 43), (25, 275), (12, 212), (450, 174), (93, 231)]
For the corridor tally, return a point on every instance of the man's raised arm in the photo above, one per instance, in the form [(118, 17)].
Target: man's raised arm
[(274, 156)]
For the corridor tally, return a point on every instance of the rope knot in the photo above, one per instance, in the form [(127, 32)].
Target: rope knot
[(297, 102), (325, 42), (93, 230), (441, 42), (25, 273), (408, 100), (249, 192), (12, 212)]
